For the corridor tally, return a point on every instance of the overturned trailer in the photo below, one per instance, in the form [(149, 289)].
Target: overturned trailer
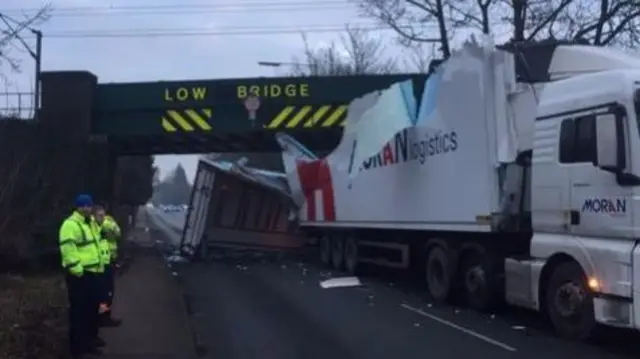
[(233, 205)]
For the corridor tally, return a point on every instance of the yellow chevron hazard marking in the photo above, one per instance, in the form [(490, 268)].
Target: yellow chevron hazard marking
[(309, 116), (317, 116), (168, 126), (281, 117), (299, 117), (187, 120), (181, 121), (334, 117), (198, 120)]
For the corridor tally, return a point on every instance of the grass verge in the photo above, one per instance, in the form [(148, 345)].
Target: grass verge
[(33, 317)]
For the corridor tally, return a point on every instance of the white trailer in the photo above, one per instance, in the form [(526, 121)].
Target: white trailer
[(522, 184)]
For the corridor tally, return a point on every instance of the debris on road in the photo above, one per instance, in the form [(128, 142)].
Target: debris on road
[(177, 259), (342, 282)]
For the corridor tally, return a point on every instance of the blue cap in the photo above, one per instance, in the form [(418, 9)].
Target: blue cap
[(83, 200)]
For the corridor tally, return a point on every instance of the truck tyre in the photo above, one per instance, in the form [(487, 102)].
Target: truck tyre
[(351, 255), (570, 302), (337, 253), (438, 274), (325, 250), (477, 279)]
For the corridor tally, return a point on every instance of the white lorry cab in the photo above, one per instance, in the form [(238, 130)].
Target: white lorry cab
[(520, 184)]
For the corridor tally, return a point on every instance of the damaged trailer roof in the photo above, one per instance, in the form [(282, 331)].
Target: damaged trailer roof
[(274, 180)]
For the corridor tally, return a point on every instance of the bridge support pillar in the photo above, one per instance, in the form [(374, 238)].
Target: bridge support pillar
[(67, 104), (66, 114)]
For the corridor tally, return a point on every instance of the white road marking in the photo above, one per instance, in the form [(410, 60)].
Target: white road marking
[(459, 328)]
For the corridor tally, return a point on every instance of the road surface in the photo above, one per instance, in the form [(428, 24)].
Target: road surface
[(171, 223), (262, 306), (173, 219)]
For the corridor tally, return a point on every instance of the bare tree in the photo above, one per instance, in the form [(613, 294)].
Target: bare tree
[(473, 13), (12, 30), (532, 19), (600, 22), (415, 21), (357, 53), (418, 57)]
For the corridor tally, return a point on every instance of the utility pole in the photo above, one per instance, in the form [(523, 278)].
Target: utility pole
[(36, 55), (38, 59)]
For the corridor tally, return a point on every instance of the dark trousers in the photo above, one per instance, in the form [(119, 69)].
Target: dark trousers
[(108, 285), (83, 311)]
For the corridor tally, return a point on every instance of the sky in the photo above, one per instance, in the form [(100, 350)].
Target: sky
[(213, 54)]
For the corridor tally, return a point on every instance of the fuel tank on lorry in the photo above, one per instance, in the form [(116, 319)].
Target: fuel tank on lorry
[(438, 173)]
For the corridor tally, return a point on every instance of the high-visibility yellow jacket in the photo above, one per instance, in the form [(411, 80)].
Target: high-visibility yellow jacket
[(109, 232), (113, 235), (79, 246), (103, 243)]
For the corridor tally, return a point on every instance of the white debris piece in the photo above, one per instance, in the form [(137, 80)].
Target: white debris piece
[(177, 259), (340, 282)]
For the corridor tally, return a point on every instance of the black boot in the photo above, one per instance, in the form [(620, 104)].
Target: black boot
[(98, 343), (107, 321), (93, 351)]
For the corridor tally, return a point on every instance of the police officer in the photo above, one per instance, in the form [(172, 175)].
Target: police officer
[(109, 232), (83, 265)]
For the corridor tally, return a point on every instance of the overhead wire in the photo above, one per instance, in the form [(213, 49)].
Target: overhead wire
[(220, 31), (187, 5), (186, 9), (321, 7), (81, 11), (149, 33)]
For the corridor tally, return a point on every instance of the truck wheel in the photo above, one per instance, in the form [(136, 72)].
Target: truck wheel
[(570, 303), (337, 252), (477, 280), (325, 250), (438, 274), (351, 255)]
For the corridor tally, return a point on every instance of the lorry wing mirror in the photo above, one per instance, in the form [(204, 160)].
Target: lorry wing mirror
[(610, 145)]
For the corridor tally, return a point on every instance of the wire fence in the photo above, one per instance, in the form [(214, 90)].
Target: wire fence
[(17, 105)]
